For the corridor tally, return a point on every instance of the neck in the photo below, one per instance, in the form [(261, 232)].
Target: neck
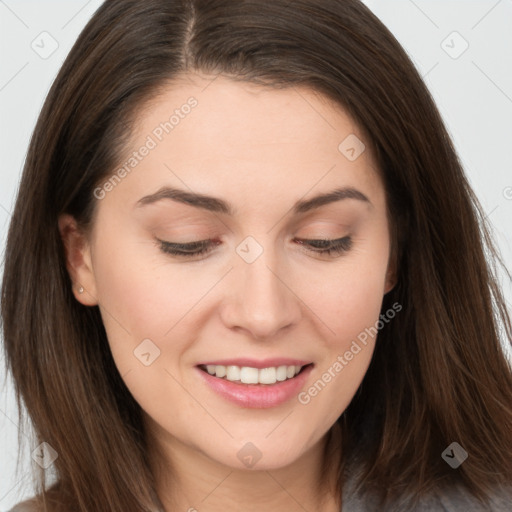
[(188, 480)]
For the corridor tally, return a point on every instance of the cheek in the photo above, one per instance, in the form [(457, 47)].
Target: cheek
[(137, 284), (335, 384), (136, 304), (347, 295), (353, 316), (144, 309), (349, 303)]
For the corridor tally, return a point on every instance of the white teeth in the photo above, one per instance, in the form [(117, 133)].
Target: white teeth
[(232, 372), (220, 371), (267, 376), (248, 375), (281, 373)]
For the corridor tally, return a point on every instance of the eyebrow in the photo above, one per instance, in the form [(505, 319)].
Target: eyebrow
[(214, 204)]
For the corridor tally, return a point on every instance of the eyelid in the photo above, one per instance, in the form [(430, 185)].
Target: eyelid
[(188, 247), (317, 245), (334, 245)]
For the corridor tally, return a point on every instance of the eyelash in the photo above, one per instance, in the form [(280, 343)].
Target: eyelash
[(334, 247)]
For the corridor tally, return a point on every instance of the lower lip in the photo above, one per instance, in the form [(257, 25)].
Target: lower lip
[(257, 396)]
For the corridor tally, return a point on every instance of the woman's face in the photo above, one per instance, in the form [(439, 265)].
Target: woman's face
[(245, 165)]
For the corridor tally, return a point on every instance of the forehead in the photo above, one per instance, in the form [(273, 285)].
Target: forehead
[(247, 142), (247, 117)]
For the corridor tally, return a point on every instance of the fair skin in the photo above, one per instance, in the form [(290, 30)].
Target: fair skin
[(261, 150)]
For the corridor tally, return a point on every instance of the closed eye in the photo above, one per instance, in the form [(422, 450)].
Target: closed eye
[(320, 246), (329, 247)]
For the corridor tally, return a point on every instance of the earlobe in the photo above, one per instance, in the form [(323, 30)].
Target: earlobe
[(391, 277), (78, 260), (390, 284)]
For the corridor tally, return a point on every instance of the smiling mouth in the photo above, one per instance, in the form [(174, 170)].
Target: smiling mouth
[(249, 375)]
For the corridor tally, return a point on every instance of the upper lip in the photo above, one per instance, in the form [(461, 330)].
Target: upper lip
[(255, 363)]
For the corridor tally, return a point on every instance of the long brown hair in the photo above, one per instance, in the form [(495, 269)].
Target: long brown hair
[(438, 374)]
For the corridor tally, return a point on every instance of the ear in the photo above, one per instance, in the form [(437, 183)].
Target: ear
[(78, 260), (391, 274)]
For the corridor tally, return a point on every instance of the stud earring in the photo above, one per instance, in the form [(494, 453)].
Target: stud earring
[(81, 289)]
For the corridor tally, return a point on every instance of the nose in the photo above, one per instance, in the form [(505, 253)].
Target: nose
[(261, 299)]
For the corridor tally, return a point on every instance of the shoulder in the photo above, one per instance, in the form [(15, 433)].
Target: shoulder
[(26, 506), (456, 498), (443, 498), (53, 498)]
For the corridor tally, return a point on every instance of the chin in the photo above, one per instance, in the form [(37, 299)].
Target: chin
[(257, 455)]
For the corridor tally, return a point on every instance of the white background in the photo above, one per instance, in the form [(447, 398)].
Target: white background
[(473, 92)]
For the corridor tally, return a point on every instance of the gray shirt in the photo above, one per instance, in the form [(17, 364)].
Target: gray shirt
[(452, 499), (448, 499)]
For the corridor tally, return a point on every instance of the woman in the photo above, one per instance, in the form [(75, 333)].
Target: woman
[(238, 276)]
